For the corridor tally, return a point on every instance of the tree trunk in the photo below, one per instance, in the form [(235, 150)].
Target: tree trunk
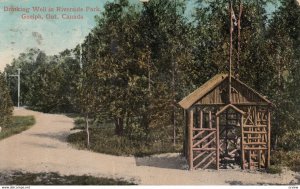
[(275, 143), (119, 126), (174, 101), (87, 131), (174, 126)]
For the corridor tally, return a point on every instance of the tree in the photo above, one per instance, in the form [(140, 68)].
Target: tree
[(115, 67), (284, 53), (139, 63), (25, 62), (166, 38), (6, 107), (48, 83)]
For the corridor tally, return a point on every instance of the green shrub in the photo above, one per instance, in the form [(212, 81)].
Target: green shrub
[(134, 142), (103, 140), (295, 165), (79, 121), (274, 169), (6, 106), (135, 132), (289, 159), (277, 157)]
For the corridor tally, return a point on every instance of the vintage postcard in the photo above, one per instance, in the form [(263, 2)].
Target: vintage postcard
[(149, 92)]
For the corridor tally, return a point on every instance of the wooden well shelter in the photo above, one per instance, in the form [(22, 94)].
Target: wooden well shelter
[(228, 124)]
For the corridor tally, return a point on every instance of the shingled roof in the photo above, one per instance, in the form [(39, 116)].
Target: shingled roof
[(208, 86)]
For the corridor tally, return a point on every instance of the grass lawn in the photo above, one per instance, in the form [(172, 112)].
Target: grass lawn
[(21, 178), (103, 140), (18, 124)]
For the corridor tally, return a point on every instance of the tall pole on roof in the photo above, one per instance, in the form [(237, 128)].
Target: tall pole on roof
[(239, 40), (239, 37), (230, 51)]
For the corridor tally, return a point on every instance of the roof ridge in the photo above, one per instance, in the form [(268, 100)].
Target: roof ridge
[(208, 86)]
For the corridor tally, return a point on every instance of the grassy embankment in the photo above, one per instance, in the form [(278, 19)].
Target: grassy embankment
[(21, 178), (103, 140), (18, 124)]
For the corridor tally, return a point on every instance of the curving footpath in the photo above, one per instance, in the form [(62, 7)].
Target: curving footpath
[(43, 148)]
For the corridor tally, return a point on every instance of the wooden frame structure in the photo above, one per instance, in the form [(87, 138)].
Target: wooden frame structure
[(225, 128)]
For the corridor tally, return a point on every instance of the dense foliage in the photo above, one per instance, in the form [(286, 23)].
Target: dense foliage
[(5, 103), (103, 140), (289, 159), (138, 62), (48, 83)]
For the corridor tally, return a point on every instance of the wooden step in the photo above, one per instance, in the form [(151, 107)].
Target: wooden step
[(255, 143), (204, 149), (254, 126), (204, 129), (255, 148), (252, 138)]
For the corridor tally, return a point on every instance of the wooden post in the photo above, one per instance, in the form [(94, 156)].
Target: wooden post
[(249, 159), (187, 135), (210, 121), (218, 144), (255, 124), (191, 125), (269, 139), (242, 142), (185, 142), (259, 159), (201, 119), (256, 120)]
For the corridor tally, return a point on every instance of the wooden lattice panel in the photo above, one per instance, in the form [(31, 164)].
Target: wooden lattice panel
[(204, 147), (255, 138), (229, 136)]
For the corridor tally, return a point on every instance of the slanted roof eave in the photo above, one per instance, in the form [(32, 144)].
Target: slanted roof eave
[(197, 94)]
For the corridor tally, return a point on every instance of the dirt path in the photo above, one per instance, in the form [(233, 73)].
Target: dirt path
[(43, 148)]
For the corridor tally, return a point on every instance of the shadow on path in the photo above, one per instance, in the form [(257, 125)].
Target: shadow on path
[(62, 136), (40, 145), (163, 161)]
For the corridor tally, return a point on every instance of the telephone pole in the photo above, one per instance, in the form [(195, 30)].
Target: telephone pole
[(19, 84)]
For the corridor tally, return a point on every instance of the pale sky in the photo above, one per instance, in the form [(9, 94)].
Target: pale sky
[(51, 36)]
